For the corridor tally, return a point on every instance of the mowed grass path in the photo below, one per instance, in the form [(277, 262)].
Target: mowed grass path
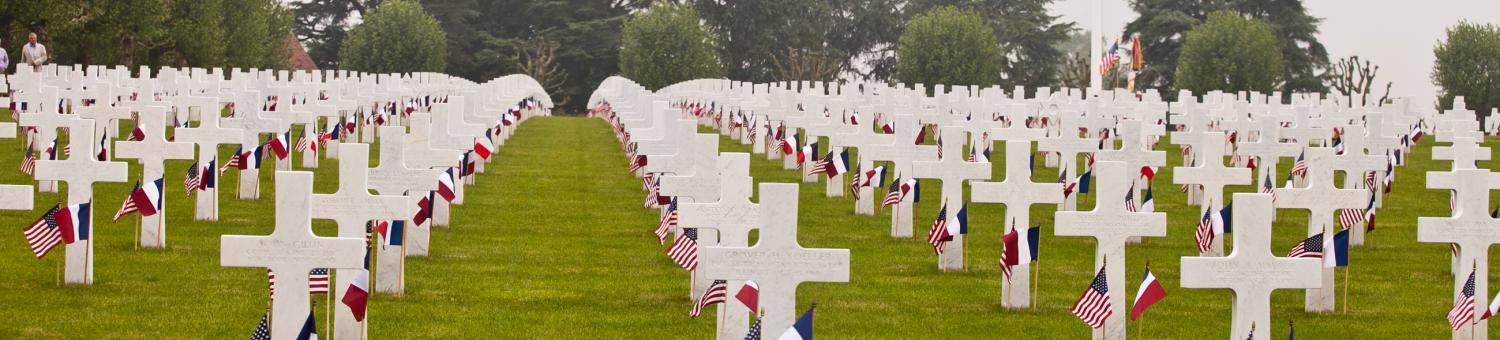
[(552, 243)]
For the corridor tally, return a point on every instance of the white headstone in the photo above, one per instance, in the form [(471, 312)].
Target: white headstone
[(151, 152), (953, 170), (351, 207), (1322, 200), (80, 172), (776, 263), (1018, 193), (1111, 225), (1212, 176), (1472, 229), (1250, 269), (291, 251)]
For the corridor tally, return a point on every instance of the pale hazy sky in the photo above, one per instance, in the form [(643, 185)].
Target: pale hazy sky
[(1398, 35)]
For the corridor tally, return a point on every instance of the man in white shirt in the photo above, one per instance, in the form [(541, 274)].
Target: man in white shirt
[(33, 54), (4, 60)]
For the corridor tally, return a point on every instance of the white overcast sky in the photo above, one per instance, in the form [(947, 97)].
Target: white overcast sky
[(1398, 35)]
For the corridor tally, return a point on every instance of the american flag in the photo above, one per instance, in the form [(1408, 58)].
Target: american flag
[(637, 162), (668, 221), (1463, 309), (304, 143), (1370, 181), (1267, 187), (1299, 168), (653, 195), (1130, 199), (715, 294), (129, 205), (895, 194), (317, 281), (1010, 240), (263, 331), (854, 185), (1312, 247), (684, 251), (1094, 306), (271, 282), (193, 180), (43, 235), (1205, 232), (28, 162), (1348, 218), (938, 237)]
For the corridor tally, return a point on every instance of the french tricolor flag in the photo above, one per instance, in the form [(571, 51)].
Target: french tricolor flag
[(280, 146), (358, 294), (445, 185), (482, 144), (74, 222), (838, 163), (147, 198)]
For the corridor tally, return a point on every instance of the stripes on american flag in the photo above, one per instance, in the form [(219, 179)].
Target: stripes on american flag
[(715, 294), (28, 163), (668, 221), (271, 282), (1463, 309), (1348, 218), (684, 251), (43, 235), (1094, 306), (317, 281), (938, 236), (1205, 233), (194, 180), (129, 205), (1312, 247)]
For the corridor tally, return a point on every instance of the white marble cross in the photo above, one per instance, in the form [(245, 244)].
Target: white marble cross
[(1465, 152), (1322, 200), (252, 123), (777, 263), (291, 251), (1472, 229), (953, 170), (700, 183), (151, 152), (1250, 269), (422, 154), (1354, 162), (731, 218), (1268, 150), (1068, 146), (863, 138), (1018, 193), (1212, 176), (902, 157), (208, 136), (1135, 150), (1111, 226), (46, 119), (80, 172), (106, 118), (351, 207)]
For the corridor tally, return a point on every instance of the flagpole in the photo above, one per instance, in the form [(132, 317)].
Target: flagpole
[(137, 232), (1140, 328), (401, 283)]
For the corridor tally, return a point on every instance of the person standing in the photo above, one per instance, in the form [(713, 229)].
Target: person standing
[(33, 54), (4, 60)]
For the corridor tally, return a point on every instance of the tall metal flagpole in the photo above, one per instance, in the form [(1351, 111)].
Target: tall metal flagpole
[(1096, 44)]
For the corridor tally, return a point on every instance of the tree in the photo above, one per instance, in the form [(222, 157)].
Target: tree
[(1352, 79), (1074, 69), (397, 37), (131, 33), (1229, 53), (322, 25), (1466, 65), (948, 46), (666, 45), (1163, 25), (1028, 37), (539, 60)]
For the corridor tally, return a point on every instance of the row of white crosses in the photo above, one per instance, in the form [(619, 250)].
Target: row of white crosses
[(287, 250), (714, 192)]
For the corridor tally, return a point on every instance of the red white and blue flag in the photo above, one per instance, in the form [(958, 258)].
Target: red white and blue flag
[(74, 221)]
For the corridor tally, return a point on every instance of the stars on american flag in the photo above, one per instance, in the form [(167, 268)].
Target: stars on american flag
[(1312, 247)]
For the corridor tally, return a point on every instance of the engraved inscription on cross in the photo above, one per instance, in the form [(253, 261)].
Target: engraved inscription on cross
[(953, 170), (1018, 193), (777, 263), (1112, 226), (1471, 228), (291, 251), (1212, 176), (151, 152), (1322, 200), (1250, 269)]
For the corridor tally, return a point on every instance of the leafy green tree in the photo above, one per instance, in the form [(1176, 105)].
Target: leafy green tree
[(667, 45), (766, 40), (948, 46), (323, 24), (1229, 53), (1163, 26), (1468, 64), (397, 37)]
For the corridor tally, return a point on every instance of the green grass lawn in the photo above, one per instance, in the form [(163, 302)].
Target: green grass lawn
[(553, 243)]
